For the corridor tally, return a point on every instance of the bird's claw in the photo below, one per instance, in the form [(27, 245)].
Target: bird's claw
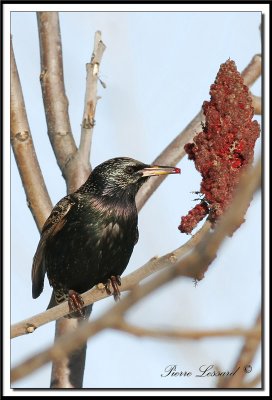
[(76, 303), (113, 282)]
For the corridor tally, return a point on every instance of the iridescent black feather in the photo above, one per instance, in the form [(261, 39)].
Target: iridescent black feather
[(90, 234)]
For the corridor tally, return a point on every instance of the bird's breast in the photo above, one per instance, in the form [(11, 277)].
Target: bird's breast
[(96, 242), (112, 231), (109, 234)]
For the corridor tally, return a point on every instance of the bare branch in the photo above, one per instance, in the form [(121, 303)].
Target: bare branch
[(158, 333), (244, 360), (68, 371), (60, 373), (257, 104), (252, 72), (88, 120), (194, 265), (38, 199), (128, 282), (253, 383), (55, 100)]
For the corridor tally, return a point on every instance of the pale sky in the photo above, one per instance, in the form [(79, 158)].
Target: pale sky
[(158, 67)]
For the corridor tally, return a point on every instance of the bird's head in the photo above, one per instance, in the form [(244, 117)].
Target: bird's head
[(124, 175)]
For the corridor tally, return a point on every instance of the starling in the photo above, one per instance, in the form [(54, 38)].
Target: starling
[(90, 234)]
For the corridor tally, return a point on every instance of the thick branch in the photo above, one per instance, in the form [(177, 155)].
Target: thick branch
[(257, 104), (88, 120), (252, 72), (38, 199), (54, 97), (68, 371), (194, 265)]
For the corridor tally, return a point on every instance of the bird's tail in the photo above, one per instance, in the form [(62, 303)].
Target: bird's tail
[(52, 302)]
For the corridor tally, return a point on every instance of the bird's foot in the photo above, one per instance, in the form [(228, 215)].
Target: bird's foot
[(76, 304), (112, 286)]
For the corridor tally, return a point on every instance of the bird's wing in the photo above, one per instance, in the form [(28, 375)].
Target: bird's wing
[(53, 224)]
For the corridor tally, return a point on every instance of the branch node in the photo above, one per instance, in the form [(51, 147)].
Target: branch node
[(22, 136), (63, 133), (42, 74), (30, 328), (173, 258), (69, 158), (95, 69), (101, 286)]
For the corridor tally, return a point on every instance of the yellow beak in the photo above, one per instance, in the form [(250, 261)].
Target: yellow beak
[(155, 170)]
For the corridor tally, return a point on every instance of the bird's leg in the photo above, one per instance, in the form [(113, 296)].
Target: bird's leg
[(76, 303), (114, 282)]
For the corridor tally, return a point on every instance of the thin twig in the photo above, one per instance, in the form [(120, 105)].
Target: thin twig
[(158, 333), (88, 120), (38, 199), (194, 264)]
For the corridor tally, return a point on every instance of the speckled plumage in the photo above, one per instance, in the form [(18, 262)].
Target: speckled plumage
[(90, 234)]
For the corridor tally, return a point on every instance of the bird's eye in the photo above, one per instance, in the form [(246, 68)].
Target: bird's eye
[(129, 169)]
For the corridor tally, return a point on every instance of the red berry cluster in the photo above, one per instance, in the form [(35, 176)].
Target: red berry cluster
[(225, 145)]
